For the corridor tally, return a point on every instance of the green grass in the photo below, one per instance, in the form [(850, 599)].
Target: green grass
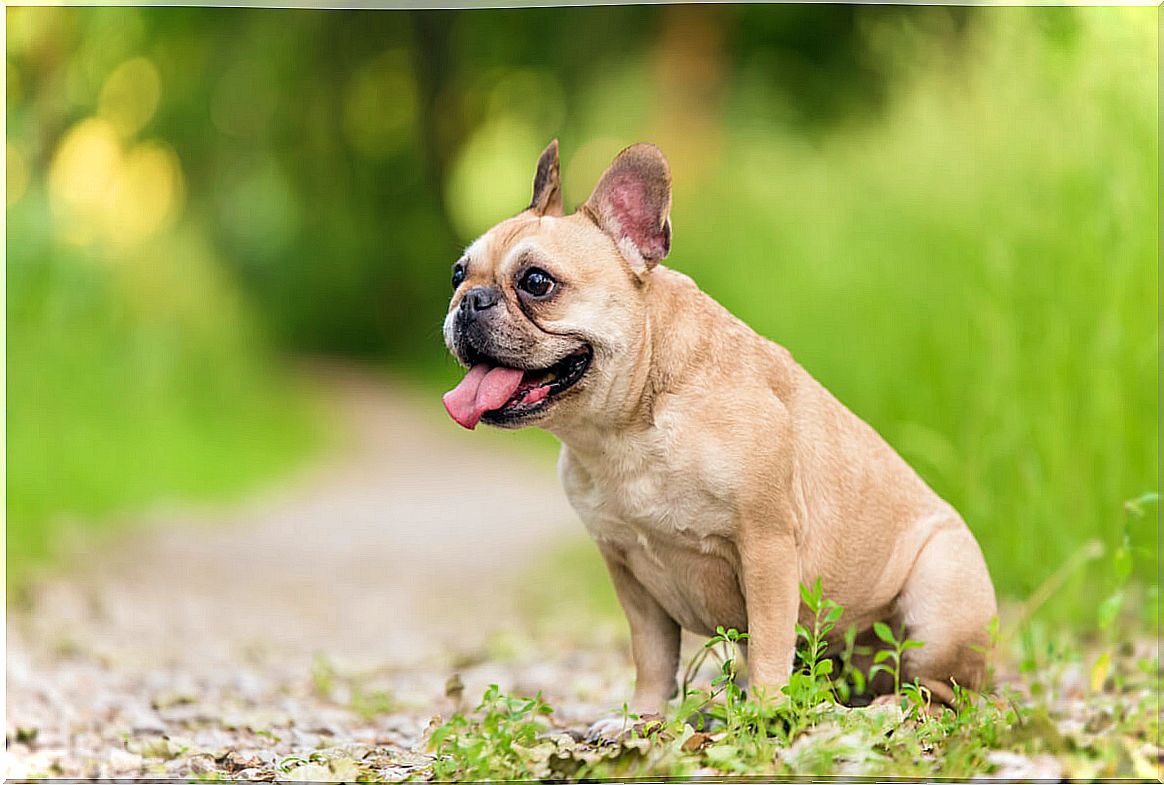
[(976, 276), (1104, 729), (133, 381), (514, 738)]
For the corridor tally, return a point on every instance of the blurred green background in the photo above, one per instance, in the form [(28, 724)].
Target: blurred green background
[(949, 215)]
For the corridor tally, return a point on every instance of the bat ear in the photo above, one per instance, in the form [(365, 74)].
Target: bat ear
[(632, 204), (547, 185)]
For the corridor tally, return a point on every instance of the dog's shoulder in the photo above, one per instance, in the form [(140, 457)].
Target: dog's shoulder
[(707, 361)]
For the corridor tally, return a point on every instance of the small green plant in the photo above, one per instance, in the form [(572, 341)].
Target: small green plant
[(749, 723), (323, 676), (726, 680), (755, 717), (1123, 558), (1109, 611), (725, 643), (917, 699), (889, 660), (494, 745), (851, 681), (371, 703), (811, 683)]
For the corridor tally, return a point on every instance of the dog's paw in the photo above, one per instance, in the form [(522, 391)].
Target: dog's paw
[(619, 726), (610, 729), (898, 705)]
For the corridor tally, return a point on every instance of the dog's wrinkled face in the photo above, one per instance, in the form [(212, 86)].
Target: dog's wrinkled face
[(547, 309)]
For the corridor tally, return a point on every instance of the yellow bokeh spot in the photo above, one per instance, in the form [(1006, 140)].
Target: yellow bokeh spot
[(492, 178), (102, 192), (32, 31), (130, 95), (17, 174), (81, 177), (146, 194)]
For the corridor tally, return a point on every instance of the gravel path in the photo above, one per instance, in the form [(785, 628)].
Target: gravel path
[(311, 632)]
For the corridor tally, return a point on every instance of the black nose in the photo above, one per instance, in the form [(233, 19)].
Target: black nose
[(479, 298)]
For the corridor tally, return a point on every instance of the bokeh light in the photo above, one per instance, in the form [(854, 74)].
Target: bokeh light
[(492, 176), (101, 189), (130, 95), (380, 105)]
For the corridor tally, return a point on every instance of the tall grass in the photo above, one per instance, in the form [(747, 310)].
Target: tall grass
[(975, 274)]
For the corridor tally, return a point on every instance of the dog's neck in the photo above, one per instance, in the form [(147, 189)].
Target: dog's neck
[(667, 356)]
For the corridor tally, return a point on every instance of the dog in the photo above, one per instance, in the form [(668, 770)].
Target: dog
[(713, 472)]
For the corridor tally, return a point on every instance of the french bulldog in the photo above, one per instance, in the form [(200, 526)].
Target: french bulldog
[(713, 472)]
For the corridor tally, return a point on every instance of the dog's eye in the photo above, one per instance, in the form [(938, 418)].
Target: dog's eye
[(458, 274), (536, 282)]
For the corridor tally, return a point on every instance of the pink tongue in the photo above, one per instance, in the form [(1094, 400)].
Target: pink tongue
[(482, 390)]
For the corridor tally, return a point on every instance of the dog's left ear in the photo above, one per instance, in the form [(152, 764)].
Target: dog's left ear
[(547, 186), (632, 204)]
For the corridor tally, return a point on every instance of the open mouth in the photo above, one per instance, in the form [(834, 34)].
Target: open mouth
[(499, 394)]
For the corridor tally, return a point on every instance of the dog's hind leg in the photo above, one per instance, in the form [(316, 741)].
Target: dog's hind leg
[(948, 604)]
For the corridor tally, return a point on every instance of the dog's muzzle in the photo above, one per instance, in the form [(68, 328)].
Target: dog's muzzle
[(478, 300), (477, 324)]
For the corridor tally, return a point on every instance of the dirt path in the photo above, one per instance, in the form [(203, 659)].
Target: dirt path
[(327, 615)]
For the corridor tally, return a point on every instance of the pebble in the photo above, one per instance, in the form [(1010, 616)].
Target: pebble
[(145, 723), (124, 762)]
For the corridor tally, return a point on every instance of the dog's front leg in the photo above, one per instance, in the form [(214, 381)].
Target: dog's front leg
[(771, 578), (654, 647), (654, 639)]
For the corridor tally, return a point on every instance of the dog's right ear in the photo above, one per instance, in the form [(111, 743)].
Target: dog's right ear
[(547, 185)]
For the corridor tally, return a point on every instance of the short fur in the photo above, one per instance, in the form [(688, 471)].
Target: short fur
[(713, 472)]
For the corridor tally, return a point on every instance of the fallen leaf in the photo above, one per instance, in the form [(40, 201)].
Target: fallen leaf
[(649, 724), (455, 688), (695, 742), (234, 761)]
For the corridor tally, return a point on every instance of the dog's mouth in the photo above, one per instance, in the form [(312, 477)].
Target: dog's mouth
[(499, 394)]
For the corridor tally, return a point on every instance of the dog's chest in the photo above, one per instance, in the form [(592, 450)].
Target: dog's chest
[(675, 535), (632, 495)]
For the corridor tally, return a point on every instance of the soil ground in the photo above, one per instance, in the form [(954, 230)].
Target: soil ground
[(326, 614)]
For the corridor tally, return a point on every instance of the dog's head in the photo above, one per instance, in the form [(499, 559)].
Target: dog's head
[(547, 311)]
